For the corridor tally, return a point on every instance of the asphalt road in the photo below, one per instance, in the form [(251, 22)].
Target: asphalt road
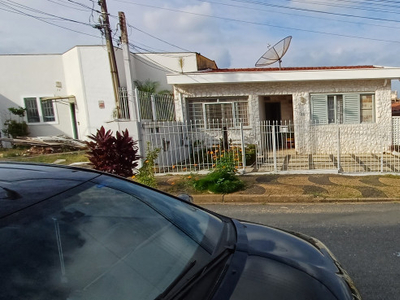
[(364, 237)]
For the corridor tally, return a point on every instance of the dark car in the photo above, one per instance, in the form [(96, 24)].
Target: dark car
[(69, 233)]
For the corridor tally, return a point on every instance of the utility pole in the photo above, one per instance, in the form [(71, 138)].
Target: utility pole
[(111, 55), (132, 96)]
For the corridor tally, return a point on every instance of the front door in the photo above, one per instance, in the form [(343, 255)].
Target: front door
[(273, 111)]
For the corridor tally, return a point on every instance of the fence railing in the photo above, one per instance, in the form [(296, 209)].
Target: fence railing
[(284, 146), (156, 107), (272, 147), (151, 107), (193, 147)]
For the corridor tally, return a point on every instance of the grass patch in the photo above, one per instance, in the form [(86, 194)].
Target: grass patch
[(69, 157)]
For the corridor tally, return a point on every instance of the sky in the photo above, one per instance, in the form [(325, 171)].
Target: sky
[(234, 33)]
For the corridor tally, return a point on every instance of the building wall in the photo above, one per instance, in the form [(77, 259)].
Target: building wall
[(155, 66), (97, 86), (300, 92), (33, 76)]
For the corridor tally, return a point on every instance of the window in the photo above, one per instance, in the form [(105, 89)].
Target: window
[(212, 111), (367, 108), (39, 110), (32, 111), (335, 109), (103, 239), (343, 108), (47, 110)]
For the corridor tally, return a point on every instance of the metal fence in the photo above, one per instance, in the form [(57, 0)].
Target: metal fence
[(151, 107), (156, 107), (288, 147), (275, 146), (192, 146)]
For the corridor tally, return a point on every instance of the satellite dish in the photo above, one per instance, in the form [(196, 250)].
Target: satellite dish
[(275, 53)]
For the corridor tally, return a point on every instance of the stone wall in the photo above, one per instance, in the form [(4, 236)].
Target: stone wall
[(354, 138)]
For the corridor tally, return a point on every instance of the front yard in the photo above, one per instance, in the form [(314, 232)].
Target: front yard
[(21, 154)]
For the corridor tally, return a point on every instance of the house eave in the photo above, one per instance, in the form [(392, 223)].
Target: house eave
[(283, 76)]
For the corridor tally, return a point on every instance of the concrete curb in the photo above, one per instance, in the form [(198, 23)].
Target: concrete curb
[(264, 199)]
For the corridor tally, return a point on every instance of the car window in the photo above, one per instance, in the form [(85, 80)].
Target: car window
[(99, 241), (202, 227)]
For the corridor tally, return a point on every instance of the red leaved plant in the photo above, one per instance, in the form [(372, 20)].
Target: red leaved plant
[(115, 155)]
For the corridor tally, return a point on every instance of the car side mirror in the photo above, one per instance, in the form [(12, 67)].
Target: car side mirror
[(186, 197)]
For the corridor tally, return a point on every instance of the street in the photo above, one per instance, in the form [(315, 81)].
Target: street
[(364, 237)]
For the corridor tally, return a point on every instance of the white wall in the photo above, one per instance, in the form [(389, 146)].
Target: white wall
[(84, 72), (33, 76), (97, 86), (155, 66), (300, 92)]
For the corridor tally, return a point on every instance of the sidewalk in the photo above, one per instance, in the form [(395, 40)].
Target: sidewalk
[(296, 189)]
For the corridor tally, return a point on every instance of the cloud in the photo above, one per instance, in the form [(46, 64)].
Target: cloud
[(222, 57), (180, 23)]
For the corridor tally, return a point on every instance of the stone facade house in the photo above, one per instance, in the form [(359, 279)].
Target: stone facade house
[(355, 99)]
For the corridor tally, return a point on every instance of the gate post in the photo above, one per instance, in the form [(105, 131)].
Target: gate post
[(274, 147), (243, 148), (338, 149), (153, 107)]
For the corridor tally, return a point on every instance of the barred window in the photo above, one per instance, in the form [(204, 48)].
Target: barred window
[(32, 111), (47, 110), (39, 110), (211, 111)]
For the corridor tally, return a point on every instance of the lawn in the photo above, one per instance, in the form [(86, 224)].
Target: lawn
[(63, 158)]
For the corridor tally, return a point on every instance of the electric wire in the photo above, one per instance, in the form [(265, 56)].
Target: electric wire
[(303, 16), (266, 24), (315, 11)]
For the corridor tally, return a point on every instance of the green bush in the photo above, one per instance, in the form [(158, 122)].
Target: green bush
[(15, 128), (222, 179), (115, 155), (146, 172)]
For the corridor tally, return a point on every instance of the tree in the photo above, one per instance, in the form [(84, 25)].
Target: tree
[(150, 86)]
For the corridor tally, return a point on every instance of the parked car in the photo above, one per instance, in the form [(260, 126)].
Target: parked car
[(70, 233)]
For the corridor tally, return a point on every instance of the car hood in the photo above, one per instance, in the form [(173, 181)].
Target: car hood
[(302, 252)]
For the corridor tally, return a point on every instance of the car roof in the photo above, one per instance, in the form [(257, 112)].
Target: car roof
[(23, 185)]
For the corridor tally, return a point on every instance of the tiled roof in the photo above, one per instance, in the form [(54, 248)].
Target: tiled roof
[(291, 69), (395, 106)]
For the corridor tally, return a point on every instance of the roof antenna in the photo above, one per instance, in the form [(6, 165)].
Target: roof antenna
[(275, 53)]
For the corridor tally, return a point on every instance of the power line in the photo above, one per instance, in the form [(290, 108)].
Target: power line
[(314, 11), (356, 6), (265, 24), (40, 12), (65, 5), (154, 37), (292, 14), (17, 11)]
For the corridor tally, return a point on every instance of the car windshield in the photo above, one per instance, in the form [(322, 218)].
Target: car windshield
[(105, 239)]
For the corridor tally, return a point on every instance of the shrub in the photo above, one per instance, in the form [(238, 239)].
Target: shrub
[(250, 154), (222, 179), (115, 155), (146, 172), (15, 128)]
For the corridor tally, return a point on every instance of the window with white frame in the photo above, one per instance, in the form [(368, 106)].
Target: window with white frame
[(343, 108), (212, 112), (39, 110)]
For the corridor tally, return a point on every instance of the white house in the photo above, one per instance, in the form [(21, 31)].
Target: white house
[(72, 93), (356, 99)]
